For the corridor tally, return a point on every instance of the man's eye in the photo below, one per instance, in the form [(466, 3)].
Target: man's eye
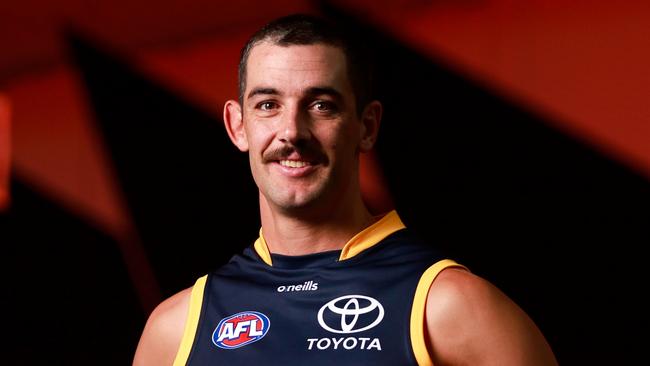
[(323, 106), (267, 106)]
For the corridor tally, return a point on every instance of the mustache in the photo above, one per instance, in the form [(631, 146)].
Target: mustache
[(308, 152)]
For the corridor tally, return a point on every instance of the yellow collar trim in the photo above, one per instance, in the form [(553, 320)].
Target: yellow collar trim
[(372, 235), (262, 249), (368, 237)]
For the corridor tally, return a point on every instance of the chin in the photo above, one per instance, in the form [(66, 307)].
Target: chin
[(298, 198), (298, 202), (297, 205)]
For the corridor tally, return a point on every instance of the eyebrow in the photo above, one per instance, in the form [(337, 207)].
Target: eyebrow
[(263, 91), (313, 91), (324, 90)]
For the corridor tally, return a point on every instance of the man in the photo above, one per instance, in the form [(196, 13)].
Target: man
[(326, 282)]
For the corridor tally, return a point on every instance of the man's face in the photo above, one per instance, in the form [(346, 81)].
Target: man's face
[(300, 124)]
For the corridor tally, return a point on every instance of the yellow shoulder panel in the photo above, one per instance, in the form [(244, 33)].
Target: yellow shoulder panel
[(418, 341), (192, 323)]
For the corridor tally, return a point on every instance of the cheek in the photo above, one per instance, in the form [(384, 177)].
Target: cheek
[(259, 136), (348, 138), (339, 135)]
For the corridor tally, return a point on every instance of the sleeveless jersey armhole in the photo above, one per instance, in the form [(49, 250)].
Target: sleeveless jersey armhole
[(192, 322), (418, 342)]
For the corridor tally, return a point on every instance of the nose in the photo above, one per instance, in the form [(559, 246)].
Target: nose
[(294, 126)]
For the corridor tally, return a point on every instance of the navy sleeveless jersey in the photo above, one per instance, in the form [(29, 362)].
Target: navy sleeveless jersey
[(363, 305)]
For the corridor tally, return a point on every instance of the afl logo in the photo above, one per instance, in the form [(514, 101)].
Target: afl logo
[(240, 329), (350, 314)]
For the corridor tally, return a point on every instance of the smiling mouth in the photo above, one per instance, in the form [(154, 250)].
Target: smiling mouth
[(294, 163)]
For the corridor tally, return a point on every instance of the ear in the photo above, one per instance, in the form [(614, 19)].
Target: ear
[(370, 118), (232, 119)]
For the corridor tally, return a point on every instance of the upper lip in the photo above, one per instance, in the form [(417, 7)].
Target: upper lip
[(292, 155), (294, 163), (295, 157)]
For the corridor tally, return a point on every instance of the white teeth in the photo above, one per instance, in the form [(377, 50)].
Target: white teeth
[(293, 163)]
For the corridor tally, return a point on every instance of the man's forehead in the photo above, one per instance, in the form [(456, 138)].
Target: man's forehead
[(321, 63), (269, 51)]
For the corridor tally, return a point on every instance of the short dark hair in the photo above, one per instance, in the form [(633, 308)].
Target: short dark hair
[(301, 29)]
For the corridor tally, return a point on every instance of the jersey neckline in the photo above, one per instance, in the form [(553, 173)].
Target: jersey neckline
[(365, 239)]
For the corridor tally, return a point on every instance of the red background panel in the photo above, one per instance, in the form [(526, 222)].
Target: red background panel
[(5, 149), (30, 30), (58, 150), (581, 65)]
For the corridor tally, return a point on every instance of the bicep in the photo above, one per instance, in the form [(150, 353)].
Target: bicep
[(470, 321), (163, 332)]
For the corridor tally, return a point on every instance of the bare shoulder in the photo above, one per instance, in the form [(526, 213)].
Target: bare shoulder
[(163, 332), (470, 321)]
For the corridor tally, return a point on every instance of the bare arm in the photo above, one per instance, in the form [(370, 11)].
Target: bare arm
[(163, 332), (470, 322)]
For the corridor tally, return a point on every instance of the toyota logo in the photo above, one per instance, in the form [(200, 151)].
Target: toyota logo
[(352, 310)]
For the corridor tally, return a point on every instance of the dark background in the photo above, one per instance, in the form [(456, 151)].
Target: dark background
[(556, 222)]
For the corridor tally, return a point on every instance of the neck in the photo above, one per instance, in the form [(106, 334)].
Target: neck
[(300, 234)]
